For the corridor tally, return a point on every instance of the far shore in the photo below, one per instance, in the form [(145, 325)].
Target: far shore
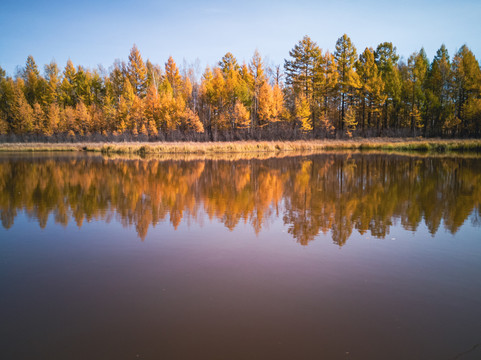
[(152, 148)]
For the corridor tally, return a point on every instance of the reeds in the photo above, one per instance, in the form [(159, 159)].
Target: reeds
[(152, 148)]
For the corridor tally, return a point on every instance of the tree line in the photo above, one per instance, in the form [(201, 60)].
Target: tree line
[(334, 194), (315, 94)]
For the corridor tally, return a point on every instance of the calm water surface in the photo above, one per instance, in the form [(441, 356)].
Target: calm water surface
[(334, 256)]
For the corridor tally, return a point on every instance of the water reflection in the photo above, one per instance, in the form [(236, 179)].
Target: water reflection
[(334, 193)]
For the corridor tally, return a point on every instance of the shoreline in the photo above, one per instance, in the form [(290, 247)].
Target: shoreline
[(152, 148)]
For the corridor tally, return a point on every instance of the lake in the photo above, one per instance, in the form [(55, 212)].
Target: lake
[(327, 256)]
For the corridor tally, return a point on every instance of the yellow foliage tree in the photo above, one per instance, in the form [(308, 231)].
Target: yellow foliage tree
[(152, 109), (126, 101), (83, 119), (143, 130), (190, 121), (67, 120), (350, 121), (172, 75), (265, 105), (3, 124), (325, 124), (38, 119), (241, 116), (153, 129), (303, 113), (22, 112), (52, 119), (137, 71), (278, 108), (138, 119)]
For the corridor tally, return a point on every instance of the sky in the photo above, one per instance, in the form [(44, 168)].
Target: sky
[(93, 33)]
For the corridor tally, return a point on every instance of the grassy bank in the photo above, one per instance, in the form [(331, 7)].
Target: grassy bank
[(152, 148)]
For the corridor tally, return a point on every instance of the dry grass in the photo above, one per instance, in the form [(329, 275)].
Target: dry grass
[(153, 148)]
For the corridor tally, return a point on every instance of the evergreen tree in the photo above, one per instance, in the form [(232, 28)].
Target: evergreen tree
[(467, 90), (438, 93), (68, 94), (31, 77), (229, 64), (417, 70), (386, 61), (4, 105), (329, 83), (117, 79), (302, 70), (372, 89), (304, 73), (345, 56), (97, 88), (82, 86)]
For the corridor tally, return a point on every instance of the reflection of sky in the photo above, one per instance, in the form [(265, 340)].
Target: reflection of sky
[(98, 32), (65, 288)]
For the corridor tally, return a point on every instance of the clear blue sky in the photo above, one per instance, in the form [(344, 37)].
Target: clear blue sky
[(98, 32)]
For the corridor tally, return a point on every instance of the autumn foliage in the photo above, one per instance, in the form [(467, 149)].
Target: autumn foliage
[(316, 94)]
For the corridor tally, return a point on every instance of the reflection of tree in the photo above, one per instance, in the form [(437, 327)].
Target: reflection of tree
[(340, 193), (323, 193)]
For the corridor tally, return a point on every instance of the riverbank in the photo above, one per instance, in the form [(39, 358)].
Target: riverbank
[(152, 148)]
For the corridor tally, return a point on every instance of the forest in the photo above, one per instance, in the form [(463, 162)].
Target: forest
[(315, 94)]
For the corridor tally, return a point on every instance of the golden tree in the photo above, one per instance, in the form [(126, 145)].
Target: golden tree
[(137, 72), (265, 105), (303, 113)]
